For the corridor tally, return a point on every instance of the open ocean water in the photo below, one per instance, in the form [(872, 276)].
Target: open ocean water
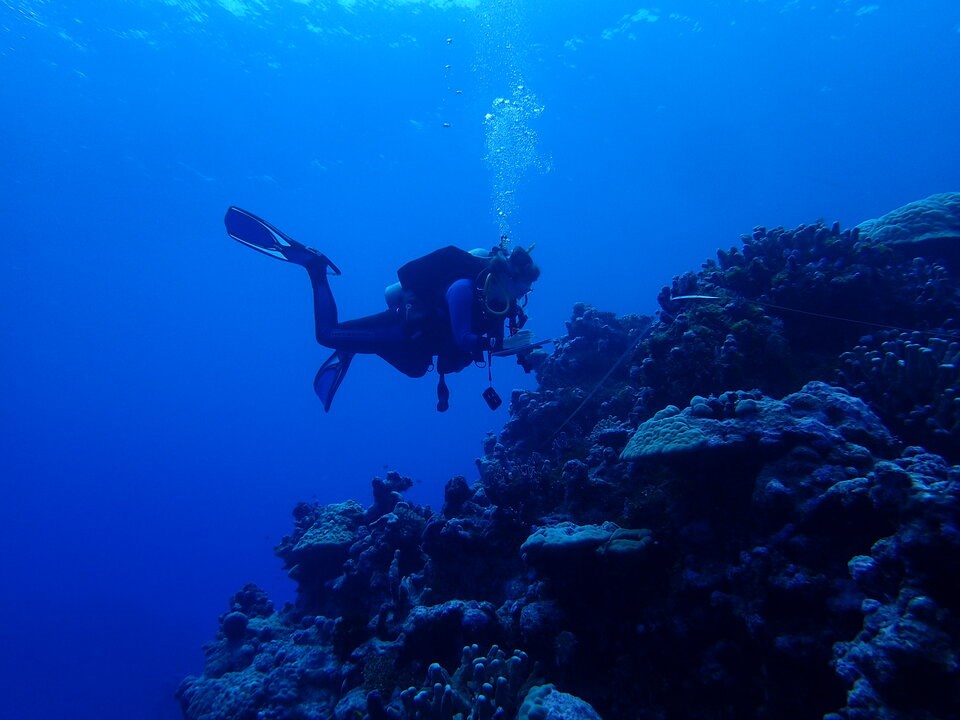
[(157, 421)]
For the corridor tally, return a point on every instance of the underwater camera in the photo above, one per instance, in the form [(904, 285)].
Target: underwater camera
[(493, 400)]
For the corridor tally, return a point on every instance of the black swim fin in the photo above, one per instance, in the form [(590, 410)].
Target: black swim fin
[(254, 232), (330, 375)]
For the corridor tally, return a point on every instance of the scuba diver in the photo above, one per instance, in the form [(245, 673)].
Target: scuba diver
[(450, 305)]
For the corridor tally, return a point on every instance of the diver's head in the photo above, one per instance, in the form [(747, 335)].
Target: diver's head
[(510, 278), (522, 271)]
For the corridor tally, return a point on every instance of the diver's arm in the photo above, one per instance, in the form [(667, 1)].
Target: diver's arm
[(460, 304)]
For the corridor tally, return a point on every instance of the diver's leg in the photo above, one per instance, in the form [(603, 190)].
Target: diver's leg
[(365, 335), (324, 306), (368, 335), (372, 334), (381, 334)]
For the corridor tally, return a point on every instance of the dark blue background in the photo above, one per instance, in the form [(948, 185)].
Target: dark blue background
[(157, 422)]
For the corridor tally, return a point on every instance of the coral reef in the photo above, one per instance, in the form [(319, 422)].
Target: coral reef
[(745, 507), (926, 227), (490, 685), (912, 380), (787, 306)]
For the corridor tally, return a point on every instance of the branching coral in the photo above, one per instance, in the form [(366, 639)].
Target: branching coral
[(484, 687), (913, 381)]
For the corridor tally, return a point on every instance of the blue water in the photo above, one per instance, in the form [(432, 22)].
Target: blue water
[(157, 422)]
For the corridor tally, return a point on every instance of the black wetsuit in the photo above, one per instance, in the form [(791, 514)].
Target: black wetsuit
[(456, 332)]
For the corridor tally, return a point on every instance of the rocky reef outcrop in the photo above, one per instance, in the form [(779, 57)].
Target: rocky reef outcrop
[(747, 506)]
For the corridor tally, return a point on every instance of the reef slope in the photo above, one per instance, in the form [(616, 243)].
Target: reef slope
[(746, 507)]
